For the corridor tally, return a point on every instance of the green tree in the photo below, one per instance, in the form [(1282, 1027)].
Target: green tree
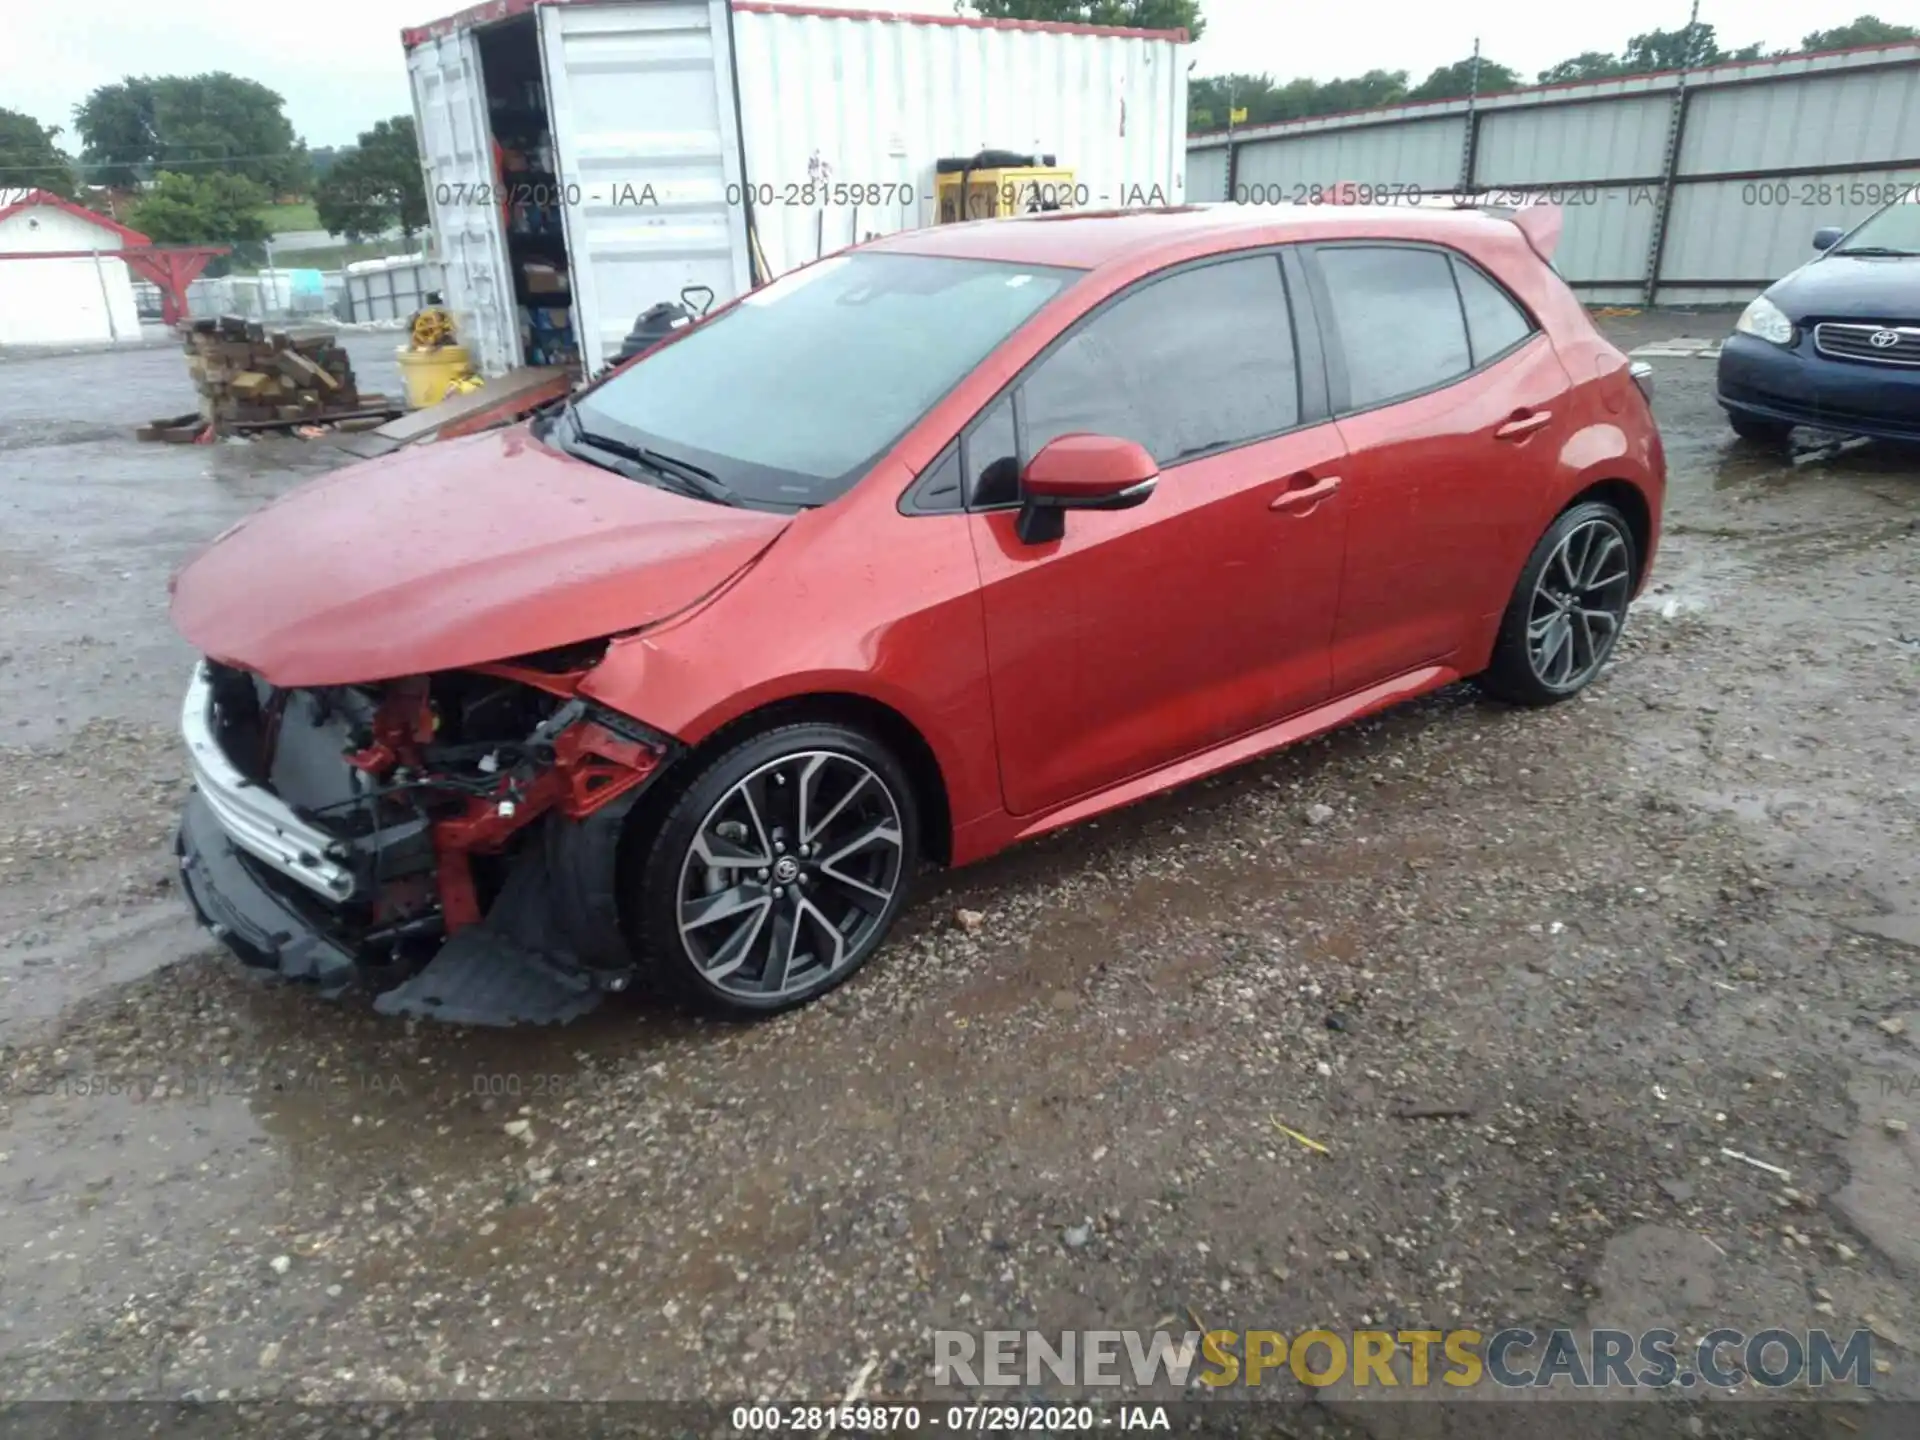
[(1210, 98), (116, 130), (200, 209), (189, 124), (322, 158), (376, 185), (1138, 14), (29, 158), (1458, 80), (1358, 92), (1866, 30), (1689, 46), (1588, 65)]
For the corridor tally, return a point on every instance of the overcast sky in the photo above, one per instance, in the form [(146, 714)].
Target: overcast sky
[(339, 63)]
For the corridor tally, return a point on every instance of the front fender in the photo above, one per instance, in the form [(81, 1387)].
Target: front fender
[(861, 602)]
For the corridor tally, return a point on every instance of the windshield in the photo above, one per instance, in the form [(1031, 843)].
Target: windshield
[(1895, 228), (794, 393)]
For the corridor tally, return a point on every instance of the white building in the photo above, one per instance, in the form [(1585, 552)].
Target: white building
[(60, 280)]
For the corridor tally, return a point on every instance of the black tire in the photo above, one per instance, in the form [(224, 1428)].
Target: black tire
[(668, 881), (1761, 432), (1537, 616)]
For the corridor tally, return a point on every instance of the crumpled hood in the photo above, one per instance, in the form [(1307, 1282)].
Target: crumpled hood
[(454, 554), (1851, 287)]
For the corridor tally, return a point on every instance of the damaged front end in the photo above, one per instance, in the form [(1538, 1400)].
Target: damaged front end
[(449, 841)]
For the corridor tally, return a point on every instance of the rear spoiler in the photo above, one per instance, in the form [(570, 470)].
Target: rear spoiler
[(1541, 224)]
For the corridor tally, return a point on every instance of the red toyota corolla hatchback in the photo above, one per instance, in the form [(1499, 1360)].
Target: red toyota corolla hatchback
[(929, 547)]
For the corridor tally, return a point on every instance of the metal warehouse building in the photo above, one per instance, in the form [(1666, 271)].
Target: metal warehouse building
[(1679, 188)]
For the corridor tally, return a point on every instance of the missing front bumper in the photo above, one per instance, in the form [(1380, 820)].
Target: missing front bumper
[(548, 950), (264, 929), (492, 903)]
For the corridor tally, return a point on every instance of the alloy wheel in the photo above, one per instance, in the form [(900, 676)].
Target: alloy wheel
[(791, 875), (1579, 604)]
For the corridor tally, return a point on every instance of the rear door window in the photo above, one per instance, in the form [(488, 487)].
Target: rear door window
[(1396, 312)]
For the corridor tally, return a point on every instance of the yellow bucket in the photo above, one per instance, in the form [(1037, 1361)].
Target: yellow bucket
[(428, 373)]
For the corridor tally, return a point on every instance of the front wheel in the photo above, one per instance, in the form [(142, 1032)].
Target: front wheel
[(779, 869), (1568, 609)]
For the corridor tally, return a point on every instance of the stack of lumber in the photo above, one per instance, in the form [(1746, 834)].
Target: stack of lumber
[(251, 378)]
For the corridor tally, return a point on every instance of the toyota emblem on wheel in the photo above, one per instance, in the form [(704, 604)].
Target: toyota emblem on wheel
[(1884, 339)]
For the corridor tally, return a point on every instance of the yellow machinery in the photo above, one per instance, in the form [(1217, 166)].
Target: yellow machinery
[(432, 367), (998, 183)]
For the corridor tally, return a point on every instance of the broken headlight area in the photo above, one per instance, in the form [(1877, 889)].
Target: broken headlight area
[(449, 839)]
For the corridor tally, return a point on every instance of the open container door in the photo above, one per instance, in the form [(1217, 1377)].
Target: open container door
[(640, 98), (456, 151)]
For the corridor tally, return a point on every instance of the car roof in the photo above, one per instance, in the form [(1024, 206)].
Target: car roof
[(1090, 239)]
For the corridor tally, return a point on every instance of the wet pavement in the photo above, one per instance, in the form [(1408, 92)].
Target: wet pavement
[(1527, 983)]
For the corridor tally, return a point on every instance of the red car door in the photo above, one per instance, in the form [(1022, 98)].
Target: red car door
[(1148, 634), (1451, 402)]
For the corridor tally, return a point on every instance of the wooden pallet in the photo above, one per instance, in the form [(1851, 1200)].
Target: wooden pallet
[(176, 430), (366, 417), (195, 428), (253, 379)]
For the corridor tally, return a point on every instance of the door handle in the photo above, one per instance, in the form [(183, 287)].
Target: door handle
[(1304, 491), (1522, 423)]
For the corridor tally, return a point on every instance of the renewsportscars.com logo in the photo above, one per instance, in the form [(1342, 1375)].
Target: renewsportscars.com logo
[(1513, 1358)]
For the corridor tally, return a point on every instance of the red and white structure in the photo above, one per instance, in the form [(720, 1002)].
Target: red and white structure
[(64, 280), (67, 279)]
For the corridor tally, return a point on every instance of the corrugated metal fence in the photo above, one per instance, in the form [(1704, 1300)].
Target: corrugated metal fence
[(1681, 188)]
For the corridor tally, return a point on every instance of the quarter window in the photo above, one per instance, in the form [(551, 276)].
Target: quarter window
[(1399, 320), (938, 490), (1494, 323)]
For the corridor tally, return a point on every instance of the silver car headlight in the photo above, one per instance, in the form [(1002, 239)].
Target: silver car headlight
[(1765, 320)]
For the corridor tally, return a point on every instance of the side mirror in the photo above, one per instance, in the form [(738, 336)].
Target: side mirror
[(1081, 472), (1828, 236)]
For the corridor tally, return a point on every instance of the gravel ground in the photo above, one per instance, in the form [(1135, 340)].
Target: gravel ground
[(1609, 941)]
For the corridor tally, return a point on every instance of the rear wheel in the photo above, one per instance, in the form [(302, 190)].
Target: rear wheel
[(779, 869), (1568, 609), (1752, 427)]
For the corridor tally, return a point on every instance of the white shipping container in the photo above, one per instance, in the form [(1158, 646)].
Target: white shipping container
[(872, 103), (684, 135)]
